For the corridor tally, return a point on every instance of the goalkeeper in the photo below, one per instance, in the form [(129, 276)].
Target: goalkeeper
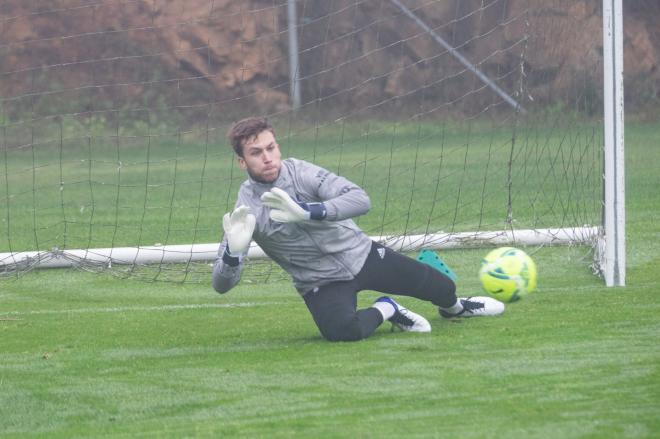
[(300, 215)]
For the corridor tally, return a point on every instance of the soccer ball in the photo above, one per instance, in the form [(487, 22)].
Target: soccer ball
[(508, 274)]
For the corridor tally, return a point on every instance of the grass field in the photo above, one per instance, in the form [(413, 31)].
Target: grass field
[(87, 355)]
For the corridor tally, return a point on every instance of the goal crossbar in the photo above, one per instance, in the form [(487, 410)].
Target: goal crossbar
[(185, 253)]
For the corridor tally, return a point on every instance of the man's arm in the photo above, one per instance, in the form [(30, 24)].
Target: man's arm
[(238, 227), (342, 198), (226, 270), (326, 197)]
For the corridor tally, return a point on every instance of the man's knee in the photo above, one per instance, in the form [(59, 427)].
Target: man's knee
[(342, 330)]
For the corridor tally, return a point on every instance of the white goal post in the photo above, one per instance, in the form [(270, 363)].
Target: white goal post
[(611, 250), (171, 254)]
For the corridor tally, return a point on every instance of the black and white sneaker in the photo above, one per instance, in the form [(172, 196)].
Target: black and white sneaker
[(405, 319), (476, 307)]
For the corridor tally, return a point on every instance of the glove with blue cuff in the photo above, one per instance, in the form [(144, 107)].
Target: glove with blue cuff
[(285, 209), (238, 226)]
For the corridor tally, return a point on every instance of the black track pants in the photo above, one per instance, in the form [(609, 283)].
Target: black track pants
[(333, 306)]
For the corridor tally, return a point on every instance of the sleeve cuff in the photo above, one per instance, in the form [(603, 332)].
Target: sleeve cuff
[(230, 260), (317, 211)]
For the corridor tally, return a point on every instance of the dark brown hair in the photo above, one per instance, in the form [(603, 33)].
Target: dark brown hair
[(245, 129)]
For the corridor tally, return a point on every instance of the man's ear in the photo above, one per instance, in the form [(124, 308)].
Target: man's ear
[(241, 162)]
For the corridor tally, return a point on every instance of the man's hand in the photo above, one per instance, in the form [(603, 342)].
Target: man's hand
[(239, 227), (284, 209)]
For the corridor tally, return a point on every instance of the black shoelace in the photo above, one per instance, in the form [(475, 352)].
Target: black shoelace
[(402, 319), (469, 305)]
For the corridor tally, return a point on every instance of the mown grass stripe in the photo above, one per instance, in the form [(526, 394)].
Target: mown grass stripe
[(122, 309)]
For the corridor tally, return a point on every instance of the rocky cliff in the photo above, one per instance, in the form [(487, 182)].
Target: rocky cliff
[(77, 56)]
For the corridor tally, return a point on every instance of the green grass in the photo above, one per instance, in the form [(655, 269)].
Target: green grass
[(87, 355)]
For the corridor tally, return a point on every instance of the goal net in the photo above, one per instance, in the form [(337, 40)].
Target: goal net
[(467, 122)]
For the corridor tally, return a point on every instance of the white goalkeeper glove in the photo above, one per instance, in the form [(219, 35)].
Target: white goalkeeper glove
[(285, 209), (239, 226)]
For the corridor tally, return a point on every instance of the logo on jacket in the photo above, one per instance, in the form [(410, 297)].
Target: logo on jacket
[(381, 252)]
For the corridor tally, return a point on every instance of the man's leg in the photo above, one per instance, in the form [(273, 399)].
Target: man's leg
[(391, 272), (333, 307)]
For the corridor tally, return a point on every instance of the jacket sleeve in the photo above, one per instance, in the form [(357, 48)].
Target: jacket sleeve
[(342, 198), (226, 270)]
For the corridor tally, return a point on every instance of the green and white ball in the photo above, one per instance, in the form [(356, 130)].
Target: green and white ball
[(508, 274)]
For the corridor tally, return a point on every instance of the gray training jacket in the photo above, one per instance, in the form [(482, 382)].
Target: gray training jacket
[(313, 252)]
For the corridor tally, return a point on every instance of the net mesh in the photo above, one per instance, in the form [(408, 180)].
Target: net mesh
[(454, 117)]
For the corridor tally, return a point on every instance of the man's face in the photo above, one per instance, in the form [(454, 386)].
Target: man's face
[(261, 157)]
